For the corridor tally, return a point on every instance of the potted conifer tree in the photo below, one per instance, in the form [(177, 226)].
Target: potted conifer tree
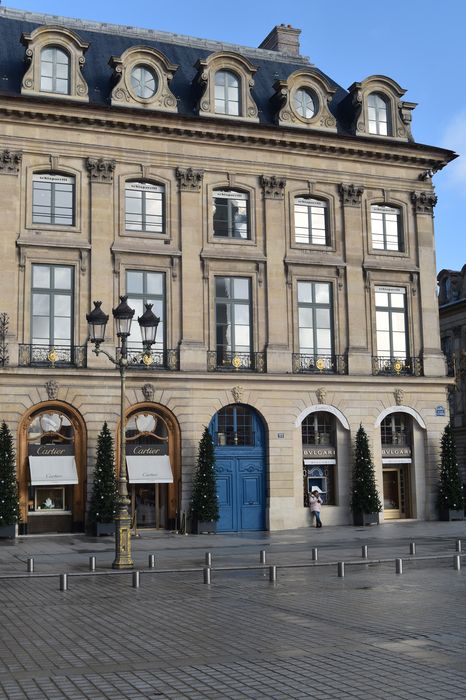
[(451, 497), (9, 502), (204, 504), (104, 489), (365, 501)]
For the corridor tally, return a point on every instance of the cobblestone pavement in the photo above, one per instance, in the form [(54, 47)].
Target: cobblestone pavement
[(371, 634)]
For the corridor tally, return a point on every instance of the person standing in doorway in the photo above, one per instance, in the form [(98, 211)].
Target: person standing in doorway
[(315, 502)]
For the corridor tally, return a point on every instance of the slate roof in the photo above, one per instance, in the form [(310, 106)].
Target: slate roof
[(112, 40)]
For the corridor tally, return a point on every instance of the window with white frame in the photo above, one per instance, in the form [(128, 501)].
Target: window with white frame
[(55, 70), (378, 114), (144, 287), (231, 214), (53, 198), (52, 305), (232, 317), (310, 221), (315, 318), (144, 207), (227, 93), (143, 81), (386, 228), (391, 322), (305, 103)]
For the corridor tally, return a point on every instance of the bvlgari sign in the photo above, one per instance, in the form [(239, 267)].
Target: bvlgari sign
[(318, 452), (146, 450)]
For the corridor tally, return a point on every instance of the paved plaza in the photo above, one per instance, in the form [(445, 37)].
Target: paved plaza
[(312, 634)]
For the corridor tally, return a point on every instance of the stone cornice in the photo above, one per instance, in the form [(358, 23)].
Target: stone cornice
[(227, 255), (339, 146)]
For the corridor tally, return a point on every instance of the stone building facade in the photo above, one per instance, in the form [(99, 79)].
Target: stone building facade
[(281, 225), (452, 308)]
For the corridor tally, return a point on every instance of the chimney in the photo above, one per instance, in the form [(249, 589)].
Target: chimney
[(283, 38)]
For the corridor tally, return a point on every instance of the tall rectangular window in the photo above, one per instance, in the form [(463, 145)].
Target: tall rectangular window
[(146, 288), (390, 311), (52, 305), (315, 318), (144, 207), (232, 316), (53, 199), (54, 70), (310, 221), (231, 214), (386, 228)]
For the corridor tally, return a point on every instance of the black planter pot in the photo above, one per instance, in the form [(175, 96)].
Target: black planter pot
[(7, 531), (201, 527), (362, 519), (449, 514), (104, 529)]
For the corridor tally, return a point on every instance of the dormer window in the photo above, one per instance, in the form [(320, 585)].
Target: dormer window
[(54, 70), (227, 97), (143, 81), (378, 115), (142, 77), (305, 103)]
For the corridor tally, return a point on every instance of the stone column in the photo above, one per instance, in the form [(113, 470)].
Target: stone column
[(359, 355), (193, 351), (102, 235), (432, 355), (278, 350)]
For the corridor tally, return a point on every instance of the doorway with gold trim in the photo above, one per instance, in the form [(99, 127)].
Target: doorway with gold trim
[(396, 492)]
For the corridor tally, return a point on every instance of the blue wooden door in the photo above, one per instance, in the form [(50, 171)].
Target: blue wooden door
[(239, 439)]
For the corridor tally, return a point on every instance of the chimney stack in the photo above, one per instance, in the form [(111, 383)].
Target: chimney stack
[(283, 38)]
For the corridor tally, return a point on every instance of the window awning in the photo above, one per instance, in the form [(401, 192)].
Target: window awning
[(53, 471), (149, 469)]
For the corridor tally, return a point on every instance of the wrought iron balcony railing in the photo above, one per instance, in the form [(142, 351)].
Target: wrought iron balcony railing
[(397, 366), (156, 359), (319, 364), (52, 356), (226, 361)]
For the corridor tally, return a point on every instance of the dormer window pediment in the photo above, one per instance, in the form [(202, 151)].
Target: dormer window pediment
[(55, 58), (302, 100), (142, 77)]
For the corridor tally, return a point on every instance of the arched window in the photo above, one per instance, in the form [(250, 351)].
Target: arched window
[(319, 452), (386, 228), (378, 115), (318, 429), (227, 95), (143, 81), (231, 214), (394, 430), (305, 103), (235, 426), (144, 207), (54, 70), (310, 221)]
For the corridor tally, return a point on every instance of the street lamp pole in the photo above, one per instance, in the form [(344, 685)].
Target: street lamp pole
[(148, 323)]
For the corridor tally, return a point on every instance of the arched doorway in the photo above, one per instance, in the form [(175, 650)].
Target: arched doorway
[(396, 438), (52, 469), (319, 441), (240, 451), (153, 459)]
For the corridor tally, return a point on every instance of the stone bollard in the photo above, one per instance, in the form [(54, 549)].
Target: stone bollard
[(457, 562), (364, 551), (91, 563), (272, 574), (63, 582), (136, 579), (314, 553), (262, 556), (151, 561), (30, 565), (399, 566), (412, 548), (341, 569), (208, 559), (458, 545), (207, 574)]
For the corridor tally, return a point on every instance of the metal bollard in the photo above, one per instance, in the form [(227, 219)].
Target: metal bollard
[(272, 574), (208, 559), (30, 565), (151, 561), (458, 545), (399, 566), (457, 562), (412, 548), (63, 582), (207, 574), (314, 553), (341, 569), (364, 551), (262, 556), (136, 579), (91, 563)]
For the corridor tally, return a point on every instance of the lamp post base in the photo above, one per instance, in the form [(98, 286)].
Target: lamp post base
[(123, 558)]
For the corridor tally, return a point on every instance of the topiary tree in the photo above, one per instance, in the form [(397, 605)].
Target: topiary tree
[(9, 502), (364, 495), (450, 495), (204, 504), (103, 504)]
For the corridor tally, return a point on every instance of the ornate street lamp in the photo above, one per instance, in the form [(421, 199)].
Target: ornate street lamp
[(148, 323)]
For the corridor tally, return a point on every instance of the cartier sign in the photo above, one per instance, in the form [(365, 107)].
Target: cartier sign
[(50, 450), (146, 450), (318, 452)]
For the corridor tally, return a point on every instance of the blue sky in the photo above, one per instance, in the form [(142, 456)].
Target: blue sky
[(418, 43)]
